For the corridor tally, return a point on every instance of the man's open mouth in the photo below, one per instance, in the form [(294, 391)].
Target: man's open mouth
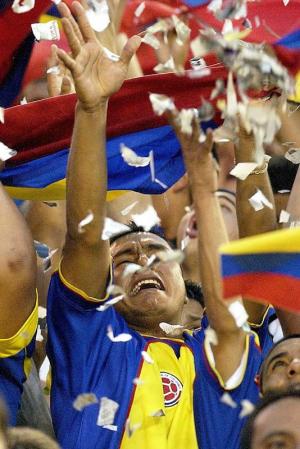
[(146, 284)]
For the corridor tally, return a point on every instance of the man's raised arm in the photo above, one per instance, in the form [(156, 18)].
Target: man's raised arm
[(96, 77)]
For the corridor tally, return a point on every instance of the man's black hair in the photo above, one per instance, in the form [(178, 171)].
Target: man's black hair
[(282, 173), (248, 430), (264, 364), (194, 291), (134, 228)]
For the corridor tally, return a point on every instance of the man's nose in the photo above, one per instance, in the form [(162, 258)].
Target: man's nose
[(294, 367), (143, 259)]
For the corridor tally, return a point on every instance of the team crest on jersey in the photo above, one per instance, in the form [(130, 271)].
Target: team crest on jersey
[(172, 388)]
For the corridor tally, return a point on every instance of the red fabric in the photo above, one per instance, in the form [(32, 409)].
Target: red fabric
[(45, 126)]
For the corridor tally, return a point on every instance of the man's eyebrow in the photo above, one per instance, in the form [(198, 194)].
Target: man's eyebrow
[(129, 250), (159, 246), (276, 433), (277, 356)]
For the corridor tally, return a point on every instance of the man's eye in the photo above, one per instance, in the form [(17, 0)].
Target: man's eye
[(279, 364), (280, 444)]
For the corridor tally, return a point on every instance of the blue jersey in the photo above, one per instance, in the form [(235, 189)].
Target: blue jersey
[(15, 364), (168, 398), (269, 331)]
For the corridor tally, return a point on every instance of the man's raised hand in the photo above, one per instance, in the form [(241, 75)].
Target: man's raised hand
[(96, 76)]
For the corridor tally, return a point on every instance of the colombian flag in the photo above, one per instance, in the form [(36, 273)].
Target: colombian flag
[(265, 268)]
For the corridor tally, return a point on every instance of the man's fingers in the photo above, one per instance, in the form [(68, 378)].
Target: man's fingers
[(53, 84), (52, 60), (66, 59), (208, 144), (71, 36), (66, 86), (172, 118), (130, 49), (86, 30)]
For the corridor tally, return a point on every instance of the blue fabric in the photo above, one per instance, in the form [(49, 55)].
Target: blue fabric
[(291, 40)]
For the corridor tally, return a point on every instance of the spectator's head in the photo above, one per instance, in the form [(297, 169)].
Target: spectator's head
[(154, 294), (274, 424), (193, 309), (281, 368)]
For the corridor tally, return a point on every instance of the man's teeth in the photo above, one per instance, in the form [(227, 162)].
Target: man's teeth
[(139, 285)]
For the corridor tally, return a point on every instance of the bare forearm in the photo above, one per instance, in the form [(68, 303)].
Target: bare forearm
[(293, 206)]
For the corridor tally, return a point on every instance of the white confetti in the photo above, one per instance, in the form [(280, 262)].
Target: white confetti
[(39, 336), (112, 228), (83, 400), (98, 15), (247, 408), (107, 412), (239, 313), (161, 103), (85, 221), (284, 216), (170, 329), (131, 268), (158, 413), (175, 255), (1, 115), (112, 56), (140, 9), (258, 201), (184, 243), (147, 357), (132, 159), (128, 209), (5, 152), (227, 400), (293, 155), (147, 219), (21, 6), (185, 118), (168, 66), (162, 184), (286, 2), (42, 312), (182, 30), (150, 39), (243, 170), (215, 5), (56, 2), (295, 224), (110, 303), (211, 336), (283, 191), (47, 260), (227, 27), (24, 101), (46, 31), (131, 428), (160, 25), (137, 381), (111, 427), (54, 70), (121, 338)]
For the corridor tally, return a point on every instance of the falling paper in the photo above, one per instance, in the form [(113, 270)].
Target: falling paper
[(243, 170), (129, 208), (121, 338), (218, 89), (161, 103), (284, 216), (21, 6), (227, 27), (23, 101), (162, 184), (98, 15), (185, 118), (258, 201), (206, 111), (286, 2), (159, 26), (54, 70), (110, 303), (147, 219), (132, 159), (175, 255), (6, 153), (131, 428), (1, 115), (83, 400), (158, 414), (247, 408), (182, 30), (211, 336), (238, 312), (168, 66), (46, 31), (139, 10), (131, 268), (39, 336), (111, 427), (170, 329), (147, 357), (227, 400), (293, 155), (112, 56), (107, 411), (137, 381), (42, 312), (112, 228), (151, 40), (87, 220)]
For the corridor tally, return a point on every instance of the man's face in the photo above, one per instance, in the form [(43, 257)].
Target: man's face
[(282, 367), (278, 426), (153, 294)]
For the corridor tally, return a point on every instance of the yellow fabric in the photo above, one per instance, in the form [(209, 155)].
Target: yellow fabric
[(283, 241), (176, 429), (47, 18), (296, 97), (257, 325), (13, 345), (52, 192)]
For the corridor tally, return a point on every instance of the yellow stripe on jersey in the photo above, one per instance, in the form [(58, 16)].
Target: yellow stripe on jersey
[(13, 345), (173, 426)]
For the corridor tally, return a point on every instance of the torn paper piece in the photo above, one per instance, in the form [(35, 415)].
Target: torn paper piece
[(46, 31), (284, 216), (83, 400), (107, 412), (110, 303), (85, 221), (140, 9), (184, 243), (131, 268), (39, 336), (175, 255), (53, 70), (128, 209), (215, 5), (56, 2), (152, 166), (258, 201), (111, 427), (1, 115), (6, 153), (185, 118), (218, 89), (159, 26), (227, 27), (161, 103), (47, 260), (147, 357), (21, 6), (112, 228), (112, 56), (151, 40), (98, 15), (238, 312), (227, 400), (158, 413), (162, 184), (293, 155), (243, 170), (211, 336), (24, 101), (131, 428), (182, 30), (147, 219), (115, 290), (42, 312), (121, 338), (283, 191), (137, 381), (132, 159), (168, 66), (170, 329), (286, 2), (206, 111), (247, 408)]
